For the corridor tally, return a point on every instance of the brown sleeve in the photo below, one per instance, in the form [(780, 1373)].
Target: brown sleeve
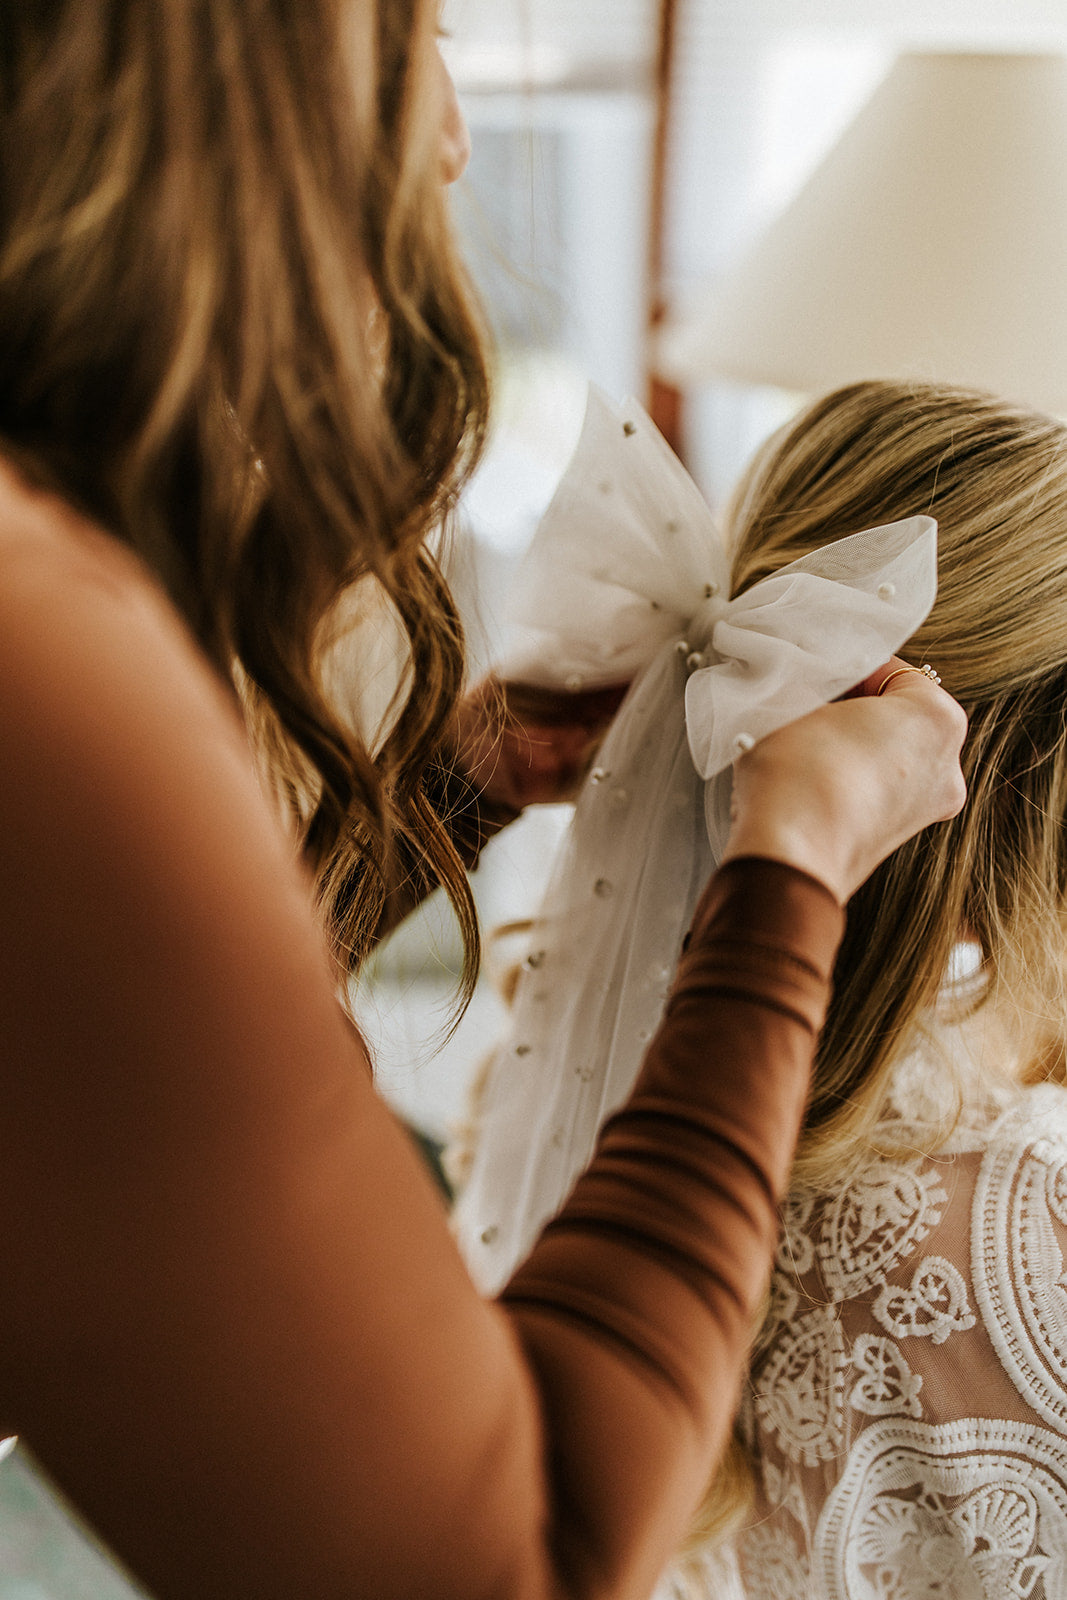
[(661, 1255), (236, 1330)]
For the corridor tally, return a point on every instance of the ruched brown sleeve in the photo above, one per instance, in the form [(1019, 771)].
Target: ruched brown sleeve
[(236, 1330), (661, 1255)]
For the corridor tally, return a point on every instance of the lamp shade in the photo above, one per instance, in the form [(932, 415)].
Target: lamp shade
[(931, 243)]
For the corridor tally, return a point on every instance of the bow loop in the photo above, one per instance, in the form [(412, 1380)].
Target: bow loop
[(627, 560), (622, 559), (802, 636)]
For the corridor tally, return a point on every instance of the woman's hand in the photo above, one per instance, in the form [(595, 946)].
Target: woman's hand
[(838, 791), (520, 745)]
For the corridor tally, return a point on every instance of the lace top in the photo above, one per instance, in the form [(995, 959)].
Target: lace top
[(908, 1417)]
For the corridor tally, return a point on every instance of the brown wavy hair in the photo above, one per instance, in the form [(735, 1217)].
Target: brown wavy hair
[(234, 329), (994, 475)]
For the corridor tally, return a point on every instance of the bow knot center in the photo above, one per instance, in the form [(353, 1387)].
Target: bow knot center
[(702, 624)]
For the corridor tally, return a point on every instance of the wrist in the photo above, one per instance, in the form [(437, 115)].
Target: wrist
[(796, 845)]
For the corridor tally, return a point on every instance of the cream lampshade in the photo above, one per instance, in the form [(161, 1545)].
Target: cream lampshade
[(930, 243)]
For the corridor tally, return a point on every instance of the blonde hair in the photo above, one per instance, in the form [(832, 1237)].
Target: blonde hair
[(233, 328), (995, 477)]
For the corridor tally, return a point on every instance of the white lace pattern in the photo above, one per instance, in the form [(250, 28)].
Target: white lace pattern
[(908, 1418)]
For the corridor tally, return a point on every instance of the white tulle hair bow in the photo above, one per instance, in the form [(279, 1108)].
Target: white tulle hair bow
[(626, 578)]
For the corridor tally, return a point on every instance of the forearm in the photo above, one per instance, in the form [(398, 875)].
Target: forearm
[(656, 1265)]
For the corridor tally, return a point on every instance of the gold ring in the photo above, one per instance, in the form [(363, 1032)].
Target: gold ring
[(926, 670), (898, 672)]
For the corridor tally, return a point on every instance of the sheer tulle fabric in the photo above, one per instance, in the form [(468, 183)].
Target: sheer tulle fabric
[(626, 577)]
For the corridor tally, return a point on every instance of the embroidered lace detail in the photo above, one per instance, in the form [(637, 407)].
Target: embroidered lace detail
[(796, 1252), (875, 1223), (886, 1385), (1017, 1263), (779, 1570), (934, 1307), (971, 1511), (784, 1492), (908, 1419), (917, 1095), (784, 1300), (799, 1396)]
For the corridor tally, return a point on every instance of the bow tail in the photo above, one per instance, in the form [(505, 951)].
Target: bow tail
[(602, 958)]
